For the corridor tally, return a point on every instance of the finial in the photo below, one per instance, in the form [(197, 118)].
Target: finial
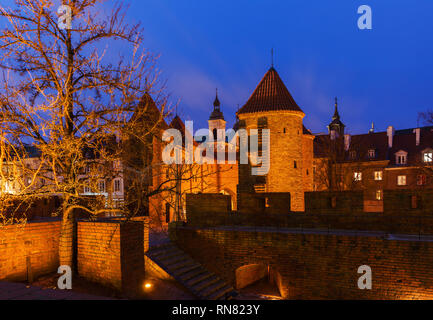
[(336, 101), (272, 57), (372, 128), (216, 103)]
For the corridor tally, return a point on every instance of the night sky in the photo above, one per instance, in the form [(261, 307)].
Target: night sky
[(383, 75)]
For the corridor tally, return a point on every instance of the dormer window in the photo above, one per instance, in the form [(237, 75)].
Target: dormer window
[(371, 153), (401, 157), (427, 155)]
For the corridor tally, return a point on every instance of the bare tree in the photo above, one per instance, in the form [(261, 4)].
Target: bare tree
[(67, 96)]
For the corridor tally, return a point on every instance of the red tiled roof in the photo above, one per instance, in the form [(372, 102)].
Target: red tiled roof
[(270, 95)]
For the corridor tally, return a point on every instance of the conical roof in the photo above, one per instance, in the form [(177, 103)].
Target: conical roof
[(270, 95)]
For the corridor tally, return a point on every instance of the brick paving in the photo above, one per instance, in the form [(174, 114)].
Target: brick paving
[(19, 291)]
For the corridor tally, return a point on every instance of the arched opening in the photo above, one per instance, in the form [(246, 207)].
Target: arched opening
[(258, 281)]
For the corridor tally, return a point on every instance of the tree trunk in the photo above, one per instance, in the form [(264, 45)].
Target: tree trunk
[(66, 241)]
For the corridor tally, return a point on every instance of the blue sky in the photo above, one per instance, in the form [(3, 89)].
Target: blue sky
[(383, 75)]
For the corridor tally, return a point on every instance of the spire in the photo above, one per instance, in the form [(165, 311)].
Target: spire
[(272, 58), (216, 103), (336, 124), (216, 113), (372, 128), (336, 115)]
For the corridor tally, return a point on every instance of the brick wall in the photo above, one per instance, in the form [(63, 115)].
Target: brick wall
[(31, 247), (344, 202), (317, 266), (112, 253), (401, 202), (208, 202)]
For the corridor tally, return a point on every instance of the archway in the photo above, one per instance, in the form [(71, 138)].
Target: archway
[(258, 281)]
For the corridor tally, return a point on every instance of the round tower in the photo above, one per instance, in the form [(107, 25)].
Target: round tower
[(272, 107)]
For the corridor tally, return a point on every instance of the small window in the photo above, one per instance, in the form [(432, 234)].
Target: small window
[(421, 179), (167, 212), (117, 185), (101, 186), (401, 180), (295, 165), (333, 202), (414, 202), (352, 154), (379, 195), (284, 130), (401, 159), (87, 169), (357, 176), (428, 156), (87, 189), (371, 153), (307, 172), (378, 175)]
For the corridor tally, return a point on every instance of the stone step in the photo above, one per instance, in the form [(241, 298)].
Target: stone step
[(184, 269), (173, 259), (198, 278), (162, 251), (182, 264), (206, 283), (215, 286), (193, 276), (224, 293)]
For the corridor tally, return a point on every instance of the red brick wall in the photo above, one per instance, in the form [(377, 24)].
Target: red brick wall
[(314, 266), (35, 240), (112, 254)]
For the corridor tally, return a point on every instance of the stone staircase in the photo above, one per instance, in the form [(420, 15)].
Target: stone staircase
[(192, 275)]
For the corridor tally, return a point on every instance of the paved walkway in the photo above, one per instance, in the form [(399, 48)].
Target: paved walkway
[(357, 233), (19, 291)]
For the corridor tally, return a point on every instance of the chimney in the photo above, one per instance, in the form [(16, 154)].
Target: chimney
[(417, 132), (390, 134), (346, 142)]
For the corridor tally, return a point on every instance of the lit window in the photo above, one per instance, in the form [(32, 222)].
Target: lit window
[(371, 153), (357, 176), (117, 185), (428, 156), (101, 186), (401, 180), (421, 180), (379, 195), (377, 175)]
